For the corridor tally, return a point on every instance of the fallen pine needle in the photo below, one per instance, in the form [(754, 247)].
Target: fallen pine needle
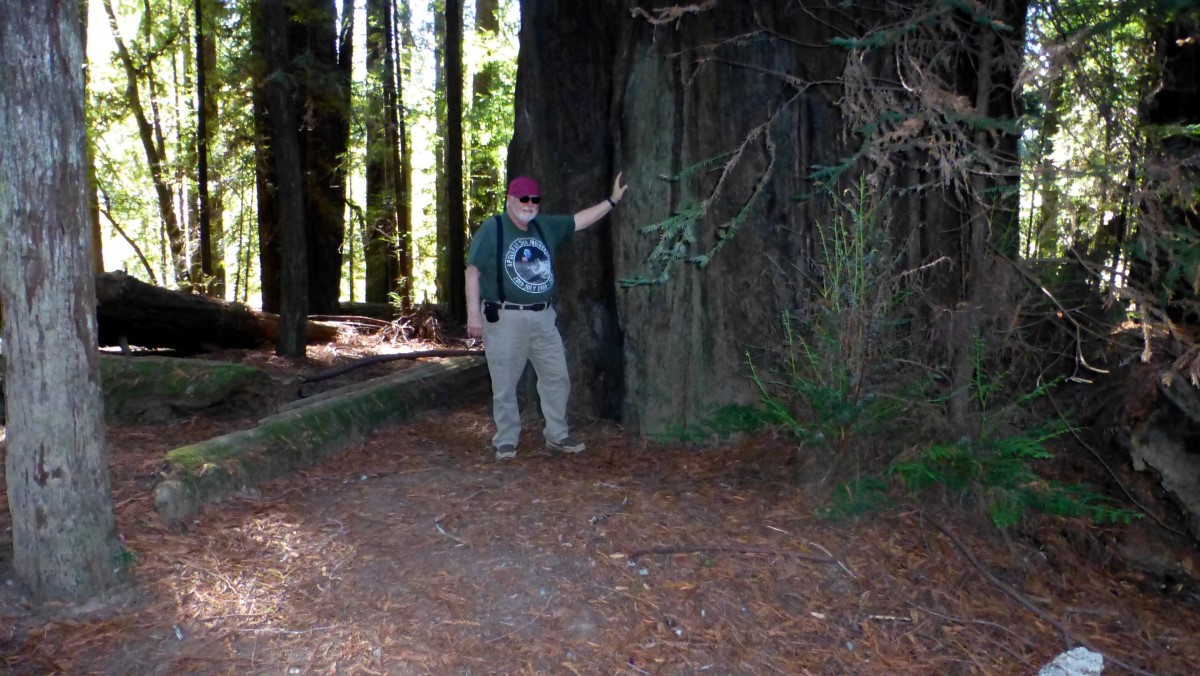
[(524, 626), (728, 550), (452, 536), (1026, 603)]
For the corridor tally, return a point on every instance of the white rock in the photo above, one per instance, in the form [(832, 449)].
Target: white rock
[(1075, 662)]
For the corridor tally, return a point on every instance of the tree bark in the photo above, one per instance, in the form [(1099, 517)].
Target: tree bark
[(380, 236), (265, 163), (456, 264), (441, 196), (212, 266), (132, 312), (404, 223), (323, 111), (93, 184), (65, 542), (289, 183)]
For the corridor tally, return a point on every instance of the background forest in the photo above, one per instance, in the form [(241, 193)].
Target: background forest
[(175, 123)]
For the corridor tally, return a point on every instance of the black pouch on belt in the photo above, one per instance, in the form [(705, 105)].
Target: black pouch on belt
[(491, 312)]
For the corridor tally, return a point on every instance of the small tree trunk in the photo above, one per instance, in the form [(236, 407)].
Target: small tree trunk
[(153, 148), (213, 283), (404, 246), (442, 277), (379, 240), (65, 541), (456, 226)]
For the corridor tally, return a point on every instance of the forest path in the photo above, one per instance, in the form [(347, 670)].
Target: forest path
[(417, 553)]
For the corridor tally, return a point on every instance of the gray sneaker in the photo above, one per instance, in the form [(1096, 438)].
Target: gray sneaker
[(506, 452), (567, 444)]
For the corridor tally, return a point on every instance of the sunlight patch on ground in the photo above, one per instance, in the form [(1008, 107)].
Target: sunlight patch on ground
[(252, 572)]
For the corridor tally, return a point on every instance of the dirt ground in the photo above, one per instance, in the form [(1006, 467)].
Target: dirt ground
[(417, 553)]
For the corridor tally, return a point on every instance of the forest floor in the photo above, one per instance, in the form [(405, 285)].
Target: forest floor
[(416, 552)]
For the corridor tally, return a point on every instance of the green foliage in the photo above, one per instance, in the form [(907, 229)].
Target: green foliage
[(488, 120), (996, 469), (831, 387), (126, 558), (677, 234), (862, 496), (999, 473), (723, 423)]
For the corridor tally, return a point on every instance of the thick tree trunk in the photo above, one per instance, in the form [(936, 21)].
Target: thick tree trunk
[(566, 137), (132, 312), (608, 85), (65, 542), (266, 192), (323, 111), (285, 149)]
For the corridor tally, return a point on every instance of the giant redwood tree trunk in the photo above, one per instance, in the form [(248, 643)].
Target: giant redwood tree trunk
[(654, 100), (718, 112), (319, 61), (64, 535), (565, 137)]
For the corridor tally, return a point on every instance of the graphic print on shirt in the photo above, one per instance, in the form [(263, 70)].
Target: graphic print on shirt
[(528, 265)]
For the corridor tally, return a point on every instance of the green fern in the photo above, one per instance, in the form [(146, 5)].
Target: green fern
[(856, 498)]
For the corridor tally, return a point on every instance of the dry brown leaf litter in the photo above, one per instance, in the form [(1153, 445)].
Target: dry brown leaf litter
[(417, 553)]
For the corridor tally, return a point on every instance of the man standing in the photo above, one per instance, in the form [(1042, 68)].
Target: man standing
[(510, 304)]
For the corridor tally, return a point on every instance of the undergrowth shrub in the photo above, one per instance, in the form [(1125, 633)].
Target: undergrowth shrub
[(833, 383), (839, 385), (994, 470)]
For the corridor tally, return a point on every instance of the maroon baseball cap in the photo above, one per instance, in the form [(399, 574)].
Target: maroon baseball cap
[(523, 186)]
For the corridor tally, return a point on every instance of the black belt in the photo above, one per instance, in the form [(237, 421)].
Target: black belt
[(536, 307)]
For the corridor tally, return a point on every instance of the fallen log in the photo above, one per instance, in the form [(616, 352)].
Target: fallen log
[(212, 470), (132, 312)]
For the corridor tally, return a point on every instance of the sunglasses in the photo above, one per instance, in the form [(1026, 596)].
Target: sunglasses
[(529, 198)]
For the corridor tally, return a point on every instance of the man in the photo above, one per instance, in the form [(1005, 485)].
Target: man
[(510, 304)]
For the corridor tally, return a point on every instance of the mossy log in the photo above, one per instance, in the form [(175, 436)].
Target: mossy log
[(157, 389), (212, 470), (151, 389)]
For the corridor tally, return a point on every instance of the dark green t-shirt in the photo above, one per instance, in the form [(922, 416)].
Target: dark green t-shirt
[(528, 271)]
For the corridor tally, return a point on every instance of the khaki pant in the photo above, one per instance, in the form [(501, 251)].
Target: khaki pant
[(519, 337)]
